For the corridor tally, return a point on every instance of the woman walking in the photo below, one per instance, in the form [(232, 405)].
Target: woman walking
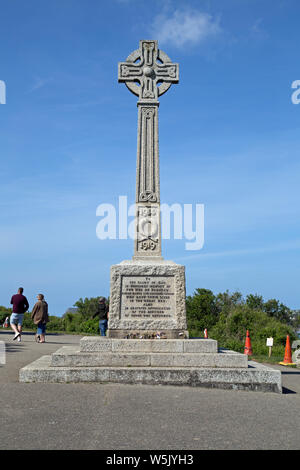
[(40, 317)]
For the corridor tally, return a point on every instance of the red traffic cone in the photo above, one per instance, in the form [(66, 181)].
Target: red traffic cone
[(205, 333), (287, 361), (248, 347)]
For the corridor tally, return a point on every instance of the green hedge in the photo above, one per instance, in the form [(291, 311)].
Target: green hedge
[(227, 317), (4, 312)]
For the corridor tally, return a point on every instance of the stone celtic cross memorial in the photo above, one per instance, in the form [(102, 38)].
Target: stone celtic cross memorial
[(147, 293)]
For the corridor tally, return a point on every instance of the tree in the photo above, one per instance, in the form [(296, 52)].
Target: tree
[(202, 310), (255, 301), (271, 307), (296, 319), (278, 310), (87, 307), (225, 301)]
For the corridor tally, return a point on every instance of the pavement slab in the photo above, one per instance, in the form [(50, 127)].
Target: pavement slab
[(59, 416)]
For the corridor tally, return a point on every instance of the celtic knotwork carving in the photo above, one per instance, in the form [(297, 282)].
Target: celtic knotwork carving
[(147, 196), (151, 68), (148, 94), (172, 72), (148, 112), (124, 71)]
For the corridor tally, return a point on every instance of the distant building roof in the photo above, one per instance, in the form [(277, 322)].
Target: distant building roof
[(72, 310)]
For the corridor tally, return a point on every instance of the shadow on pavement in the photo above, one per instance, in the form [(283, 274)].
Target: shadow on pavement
[(287, 391), (29, 333), (12, 347), (290, 372)]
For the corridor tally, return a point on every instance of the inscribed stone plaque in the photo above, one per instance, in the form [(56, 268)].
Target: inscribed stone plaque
[(148, 297)]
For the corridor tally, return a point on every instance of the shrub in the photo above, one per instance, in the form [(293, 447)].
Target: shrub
[(90, 326), (27, 322), (72, 322), (55, 323), (230, 331), (87, 307), (4, 312), (202, 310)]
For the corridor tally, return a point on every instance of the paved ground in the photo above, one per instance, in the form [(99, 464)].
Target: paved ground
[(119, 417)]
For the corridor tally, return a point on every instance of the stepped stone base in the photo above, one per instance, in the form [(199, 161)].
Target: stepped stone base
[(70, 357), (191, 362)]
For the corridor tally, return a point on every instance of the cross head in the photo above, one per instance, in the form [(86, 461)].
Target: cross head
[(148, 72)]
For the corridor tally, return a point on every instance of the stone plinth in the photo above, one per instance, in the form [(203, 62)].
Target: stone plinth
[(147, 297), (102, 344), (71, 357)]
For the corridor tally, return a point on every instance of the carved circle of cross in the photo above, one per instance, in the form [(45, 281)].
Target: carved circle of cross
[(148, 72)]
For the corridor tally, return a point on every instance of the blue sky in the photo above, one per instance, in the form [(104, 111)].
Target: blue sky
[(229, 139)]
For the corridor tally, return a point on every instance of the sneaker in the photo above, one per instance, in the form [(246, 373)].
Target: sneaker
[(19, 338), (17, 335)]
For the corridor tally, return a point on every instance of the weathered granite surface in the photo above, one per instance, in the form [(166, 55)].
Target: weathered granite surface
[(254, 378), (296, 357), (71, 356), (103, 344), (147, 296)]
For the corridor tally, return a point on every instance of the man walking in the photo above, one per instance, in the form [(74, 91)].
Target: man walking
[(102, 311), (20, 306)]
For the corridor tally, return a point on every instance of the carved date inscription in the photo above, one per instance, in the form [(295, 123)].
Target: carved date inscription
[(147, 297)]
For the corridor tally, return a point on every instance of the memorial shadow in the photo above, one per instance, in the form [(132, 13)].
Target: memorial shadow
[(13, 347), (288, 391), (290, 372), (28, 333)]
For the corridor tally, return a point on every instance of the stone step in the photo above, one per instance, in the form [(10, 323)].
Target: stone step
[(69, 356), (256, 377), (103, 344)]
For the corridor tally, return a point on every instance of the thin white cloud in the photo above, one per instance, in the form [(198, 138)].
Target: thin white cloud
[(257, 29), (185, 27), (279, 247), (39, 83)]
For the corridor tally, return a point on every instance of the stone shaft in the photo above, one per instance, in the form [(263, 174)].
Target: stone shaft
[(148, 226), (148, 73)]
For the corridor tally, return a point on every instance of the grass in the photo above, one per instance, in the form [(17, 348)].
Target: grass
[(266, 359)]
